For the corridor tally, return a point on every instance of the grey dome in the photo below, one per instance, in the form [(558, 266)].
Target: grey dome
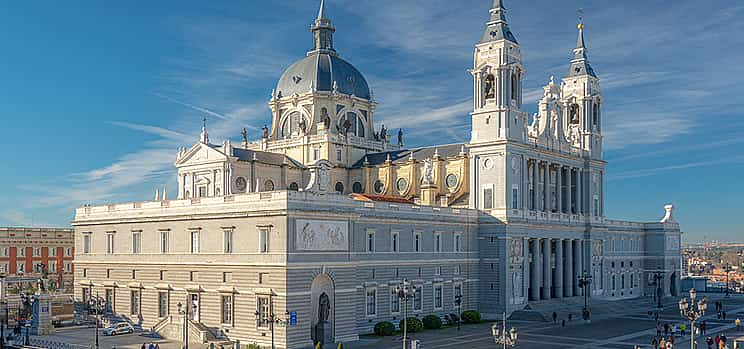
[(319, 70)]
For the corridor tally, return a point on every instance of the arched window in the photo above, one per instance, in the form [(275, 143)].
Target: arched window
[(294, 186), (357, 188), (268, 185), (574, 114), (595, 115), (355, 124), (515, 87), (489, 87), (339, 187), (293, 124)]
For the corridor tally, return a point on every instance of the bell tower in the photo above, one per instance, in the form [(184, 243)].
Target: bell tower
[(497, 82), (582, 101)]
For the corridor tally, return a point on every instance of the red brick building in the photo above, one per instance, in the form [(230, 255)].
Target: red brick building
[(22, 249)]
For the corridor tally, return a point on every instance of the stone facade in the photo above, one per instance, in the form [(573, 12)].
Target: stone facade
[(324, 216)]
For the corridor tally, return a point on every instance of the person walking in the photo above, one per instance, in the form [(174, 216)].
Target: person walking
[(737, 322), (709, 341), (555, 317), (144, 346), (655, 342), (717, 340), (724, 316), (662, 343)]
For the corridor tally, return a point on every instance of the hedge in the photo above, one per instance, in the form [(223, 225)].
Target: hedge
[(413, 325), (432, 322), (384, 328), (471, 317)]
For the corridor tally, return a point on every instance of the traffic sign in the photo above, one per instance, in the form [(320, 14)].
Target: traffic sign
[(292, 318)]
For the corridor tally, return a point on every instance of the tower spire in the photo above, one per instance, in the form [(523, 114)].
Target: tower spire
[(497, 27), (204, 137), (323, 32), (580, 62)]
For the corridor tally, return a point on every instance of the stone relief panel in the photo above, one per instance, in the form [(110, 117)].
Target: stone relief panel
[(672, 243), (318, 235), (516, 251)]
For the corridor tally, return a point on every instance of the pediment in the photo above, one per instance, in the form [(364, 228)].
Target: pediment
[(201, 153)]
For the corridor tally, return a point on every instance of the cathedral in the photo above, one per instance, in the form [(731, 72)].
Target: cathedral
[(314, 225)]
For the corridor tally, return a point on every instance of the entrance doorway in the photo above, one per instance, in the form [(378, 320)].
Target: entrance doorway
[(193, 304)]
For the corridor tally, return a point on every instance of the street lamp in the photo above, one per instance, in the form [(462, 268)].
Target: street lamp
[(185, 312), (584, 281), (4, 323), (458, 304), (688, 311), (728, 266), (97, 304), (403, 293), (507, 338), (658, 278), (271, 320)]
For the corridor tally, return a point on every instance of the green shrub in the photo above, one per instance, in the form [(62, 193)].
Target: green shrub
[(451, 319), (432, 322), (384, 328), (471, 317), (412, 325)]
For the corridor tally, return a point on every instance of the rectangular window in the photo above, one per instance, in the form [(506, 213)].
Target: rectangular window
[(438, 242), (53, 251), (226, 277), (68, 252), (458, 269), (596, 206), (136, 242), (438, 270), (262, 278), (437, 296), (264, 310), (394, 241), (371, 304), (134, 303), (110, 243), (394, 301), (162, 304), (227, 309), (164, 241), (37, 252), (86, 243), (370, 241), (227, 238), (193, 275), (108, 273), (316, 154), (53, 267), (515, 198), (6, 252), (22, 251), (109, 300), (418, 298), (68, 267), (20, 270), (458, 242), (487, 198), (417, 242), (263, 240), (202, 192), (134, 274), (194, 242), (338, 155), (163, 275)]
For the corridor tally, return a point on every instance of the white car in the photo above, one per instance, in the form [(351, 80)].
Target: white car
[(118, 328)]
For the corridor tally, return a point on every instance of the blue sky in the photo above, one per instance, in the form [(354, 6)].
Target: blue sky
[(97, 96)]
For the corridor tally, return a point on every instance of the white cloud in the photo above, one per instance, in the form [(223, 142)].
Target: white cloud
[(661, 169)]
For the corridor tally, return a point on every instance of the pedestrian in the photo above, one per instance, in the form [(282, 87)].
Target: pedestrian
[(555, 317), (710, 342), (570, 316), (151, 346), (719, 315), (724, 315), (671, 339), (655, 342), (717, 340), (563, 323), (737, 323), (144, 346), (669, 345), (157, 345), (662, 343)]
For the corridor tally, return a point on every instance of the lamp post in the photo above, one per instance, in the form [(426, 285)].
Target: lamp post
[(458, 304), (4, 322), (97, 304), (507, 338), (271, 320), (403, 293), (728, 266), (658, 278), (690, 312), (185, 312), (584, 281)]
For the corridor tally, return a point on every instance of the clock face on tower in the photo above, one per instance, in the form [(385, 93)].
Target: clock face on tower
[(240, 184)]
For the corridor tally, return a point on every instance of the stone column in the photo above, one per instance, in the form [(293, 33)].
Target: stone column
[(535, 271), (558, 188), (568, 287), (558, 269), (535, 186), (577, 265), (569, 172), (547, 270), (546, 186), (525, 185), (579, 192)]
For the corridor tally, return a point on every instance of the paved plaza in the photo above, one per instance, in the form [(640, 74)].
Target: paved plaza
[(615, 325)]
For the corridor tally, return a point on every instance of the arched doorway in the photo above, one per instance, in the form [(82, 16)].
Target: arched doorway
[(322, 309), (673, 285)]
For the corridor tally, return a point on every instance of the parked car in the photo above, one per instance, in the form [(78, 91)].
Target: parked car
[(118, 328)]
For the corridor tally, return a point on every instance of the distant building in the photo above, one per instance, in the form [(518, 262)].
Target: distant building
[(24, 249), (323, 217)]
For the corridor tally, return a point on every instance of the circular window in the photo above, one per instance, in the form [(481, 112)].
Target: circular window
[(240, 184), (268, 185), (357, 188), (379, 186), (294, 186), (452, 180), (339, 187), (488, 163), (402, 185)]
